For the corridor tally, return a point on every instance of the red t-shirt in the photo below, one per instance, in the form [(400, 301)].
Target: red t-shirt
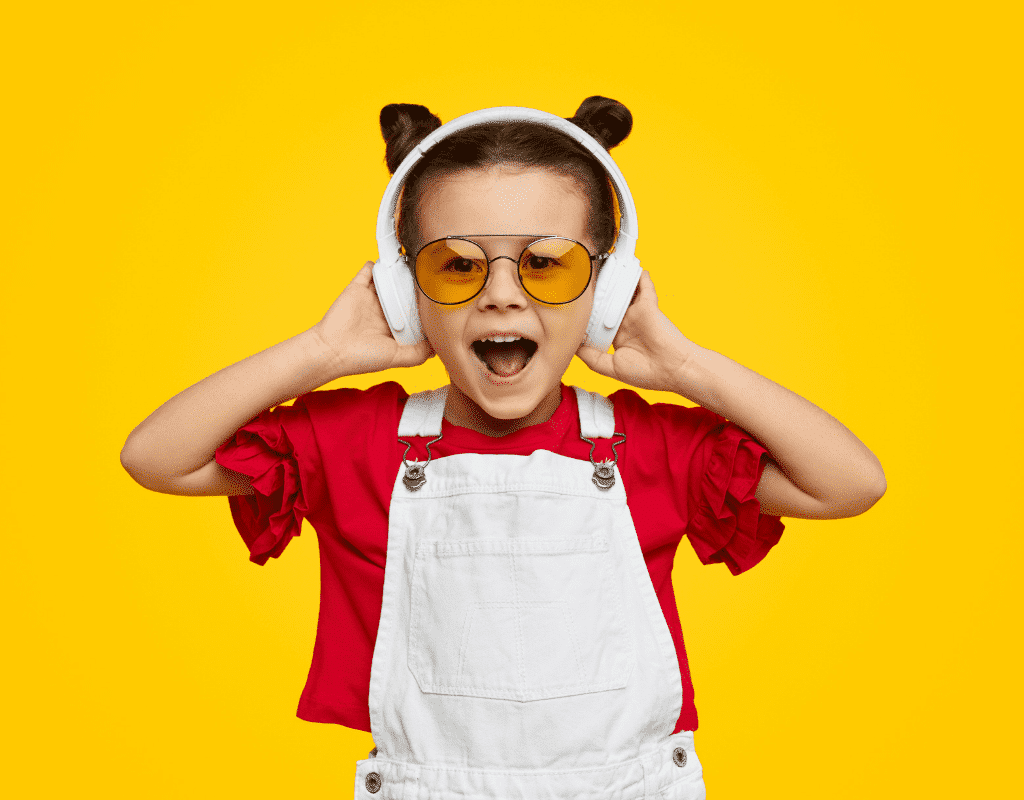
[(332, 458)]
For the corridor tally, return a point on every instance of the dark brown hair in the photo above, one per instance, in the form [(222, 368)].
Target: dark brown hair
[(517, 144)]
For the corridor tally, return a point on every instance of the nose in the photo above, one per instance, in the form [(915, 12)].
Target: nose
[(503, 289)]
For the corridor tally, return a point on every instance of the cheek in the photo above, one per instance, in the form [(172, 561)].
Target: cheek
[(571, 325), (584, 312), (441, 325), (585, 306)]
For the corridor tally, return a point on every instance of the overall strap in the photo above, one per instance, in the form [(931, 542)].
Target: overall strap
[(423, 413), (597, 417)]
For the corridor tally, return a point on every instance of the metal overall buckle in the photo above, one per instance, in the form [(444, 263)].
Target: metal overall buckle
[(415, 471), (604, 471)]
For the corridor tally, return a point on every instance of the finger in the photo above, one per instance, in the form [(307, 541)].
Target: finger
[(644, 286), (411, 355), (595, 359), (365, 274), (649, 286)]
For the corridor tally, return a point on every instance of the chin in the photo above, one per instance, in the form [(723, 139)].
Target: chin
[(507, 408)]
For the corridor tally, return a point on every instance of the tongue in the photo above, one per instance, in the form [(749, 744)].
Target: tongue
[(505, 358)]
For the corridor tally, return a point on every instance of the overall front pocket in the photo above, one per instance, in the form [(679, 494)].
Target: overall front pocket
[(517, 619)]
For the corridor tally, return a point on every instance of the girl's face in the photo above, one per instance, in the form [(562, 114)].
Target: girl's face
[(504, 211)]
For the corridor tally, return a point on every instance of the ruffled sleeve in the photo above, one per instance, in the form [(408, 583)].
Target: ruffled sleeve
[(272, 451), (728, 525)]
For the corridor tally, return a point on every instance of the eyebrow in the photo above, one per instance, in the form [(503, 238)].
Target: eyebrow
[(599, 256), (533, 236)]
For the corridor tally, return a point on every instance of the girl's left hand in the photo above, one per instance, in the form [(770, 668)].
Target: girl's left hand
[(649, 351)]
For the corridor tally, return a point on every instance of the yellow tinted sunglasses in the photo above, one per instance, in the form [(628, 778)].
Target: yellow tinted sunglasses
[(552, 269)]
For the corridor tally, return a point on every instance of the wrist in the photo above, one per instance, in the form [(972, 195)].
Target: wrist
[(317, 362), (696, 378)]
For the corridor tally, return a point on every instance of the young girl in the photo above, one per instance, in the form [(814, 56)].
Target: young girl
[(496, 555)]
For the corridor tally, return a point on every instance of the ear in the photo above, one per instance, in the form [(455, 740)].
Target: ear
[(398, 219)]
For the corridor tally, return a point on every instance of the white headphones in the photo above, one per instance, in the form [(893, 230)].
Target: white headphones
[(619, 276)]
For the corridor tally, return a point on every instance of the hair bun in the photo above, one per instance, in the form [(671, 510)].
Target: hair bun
[(605, 119), (403, 126)]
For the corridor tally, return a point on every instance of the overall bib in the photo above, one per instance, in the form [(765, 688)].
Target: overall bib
[(522, 653)]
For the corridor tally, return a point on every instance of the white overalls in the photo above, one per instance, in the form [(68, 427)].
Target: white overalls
[(522, 653)]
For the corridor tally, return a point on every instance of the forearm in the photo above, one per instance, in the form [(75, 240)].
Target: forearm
[(815, 451), (180, 437)]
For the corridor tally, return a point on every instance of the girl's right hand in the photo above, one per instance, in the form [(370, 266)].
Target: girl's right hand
[(356, 335)]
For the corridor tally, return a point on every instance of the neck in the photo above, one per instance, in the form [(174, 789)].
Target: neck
[(462, 411)]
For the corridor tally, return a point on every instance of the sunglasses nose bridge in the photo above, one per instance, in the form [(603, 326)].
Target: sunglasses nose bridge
[(513, 278)]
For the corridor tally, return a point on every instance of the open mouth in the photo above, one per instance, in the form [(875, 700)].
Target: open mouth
[(506, 357)]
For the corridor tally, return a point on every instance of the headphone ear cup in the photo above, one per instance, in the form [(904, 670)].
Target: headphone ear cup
[(396, 292), (616, 283)]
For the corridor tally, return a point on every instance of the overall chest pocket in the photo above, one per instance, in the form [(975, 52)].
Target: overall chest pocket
[(517, 619)]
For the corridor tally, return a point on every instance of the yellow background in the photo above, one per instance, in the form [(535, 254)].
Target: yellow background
[(827, 193)]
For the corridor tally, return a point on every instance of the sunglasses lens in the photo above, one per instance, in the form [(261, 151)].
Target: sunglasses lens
[(552, 270), (555, 270), (451, 271)]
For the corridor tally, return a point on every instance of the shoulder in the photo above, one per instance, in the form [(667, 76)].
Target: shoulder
[(318, 415), (354, 429), (637, 415), (381, 394), (327, 414), (327, 405)]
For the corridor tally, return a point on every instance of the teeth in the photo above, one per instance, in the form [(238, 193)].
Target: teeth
[(501, 338)]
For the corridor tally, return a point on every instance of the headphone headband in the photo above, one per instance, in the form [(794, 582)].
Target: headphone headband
[(387, 236), (618, 277)]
